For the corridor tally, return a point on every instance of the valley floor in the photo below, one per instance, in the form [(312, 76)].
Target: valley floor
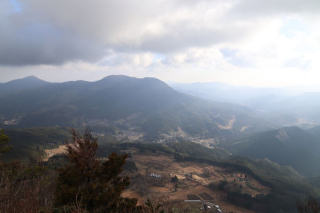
[(154, 174)]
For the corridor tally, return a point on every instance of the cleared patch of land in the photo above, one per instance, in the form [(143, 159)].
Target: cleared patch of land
[(155, 178), (160, 176), (56, 151), (227, 126)]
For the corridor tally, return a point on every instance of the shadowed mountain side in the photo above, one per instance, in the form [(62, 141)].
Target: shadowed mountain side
[(20, 85), (287, 146), (145, 105), (30, 143)]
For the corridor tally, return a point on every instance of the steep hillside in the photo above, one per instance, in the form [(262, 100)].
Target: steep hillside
[(29, 144), (290, 146), (147, 106)]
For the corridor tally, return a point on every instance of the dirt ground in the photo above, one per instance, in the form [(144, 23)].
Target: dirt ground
[(155, 172), (56, 151), (153, 179)]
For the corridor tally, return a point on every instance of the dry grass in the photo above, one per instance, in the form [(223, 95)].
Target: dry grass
[(23, 193), (62, 149)]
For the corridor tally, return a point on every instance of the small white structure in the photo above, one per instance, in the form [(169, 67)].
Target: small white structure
[(155, 175)]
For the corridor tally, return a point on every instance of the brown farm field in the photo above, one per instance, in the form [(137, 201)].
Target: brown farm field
[(154, 175)]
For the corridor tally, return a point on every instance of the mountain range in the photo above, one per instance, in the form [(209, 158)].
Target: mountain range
[(286, 106), (142, 106), (147, 109), (36, 115)]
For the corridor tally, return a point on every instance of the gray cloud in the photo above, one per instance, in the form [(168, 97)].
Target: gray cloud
[(181, 35), (59, 31), (25, 40), (272, 7), (38, 47), (55, 32)]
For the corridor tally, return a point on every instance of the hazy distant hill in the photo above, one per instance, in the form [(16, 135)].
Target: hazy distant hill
[(306, 106), (315, 131), (145, 105), (287, 146), (244, 95), (285, 106), (21, 85)]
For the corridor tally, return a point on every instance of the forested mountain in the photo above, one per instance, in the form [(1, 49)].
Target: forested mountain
[(147, 106), (35, 115), (290, 146), (29, 144)]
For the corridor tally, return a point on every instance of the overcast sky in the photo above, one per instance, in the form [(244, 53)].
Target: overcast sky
[(246, 42)]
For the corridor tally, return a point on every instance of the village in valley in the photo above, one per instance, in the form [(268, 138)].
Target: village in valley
[(200, 185)]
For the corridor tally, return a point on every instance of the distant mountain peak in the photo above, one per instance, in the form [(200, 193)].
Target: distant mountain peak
[(30, 82), (117, 77), (30, 78), (123, 78)]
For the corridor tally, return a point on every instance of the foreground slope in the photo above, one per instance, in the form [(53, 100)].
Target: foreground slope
[(174, 172), (236, 184), (30, 143)]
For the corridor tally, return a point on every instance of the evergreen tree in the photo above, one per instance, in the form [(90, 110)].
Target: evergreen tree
[(175, 181), (309, 206), (94, 185)]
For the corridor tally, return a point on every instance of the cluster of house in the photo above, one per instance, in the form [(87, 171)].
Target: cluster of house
[(154, 175), (157, 179), (212, 206), (241, 177), (10, 122), (206, 206)]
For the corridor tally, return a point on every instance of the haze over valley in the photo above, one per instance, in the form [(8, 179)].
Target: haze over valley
[(124, 112), (163, 106)]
